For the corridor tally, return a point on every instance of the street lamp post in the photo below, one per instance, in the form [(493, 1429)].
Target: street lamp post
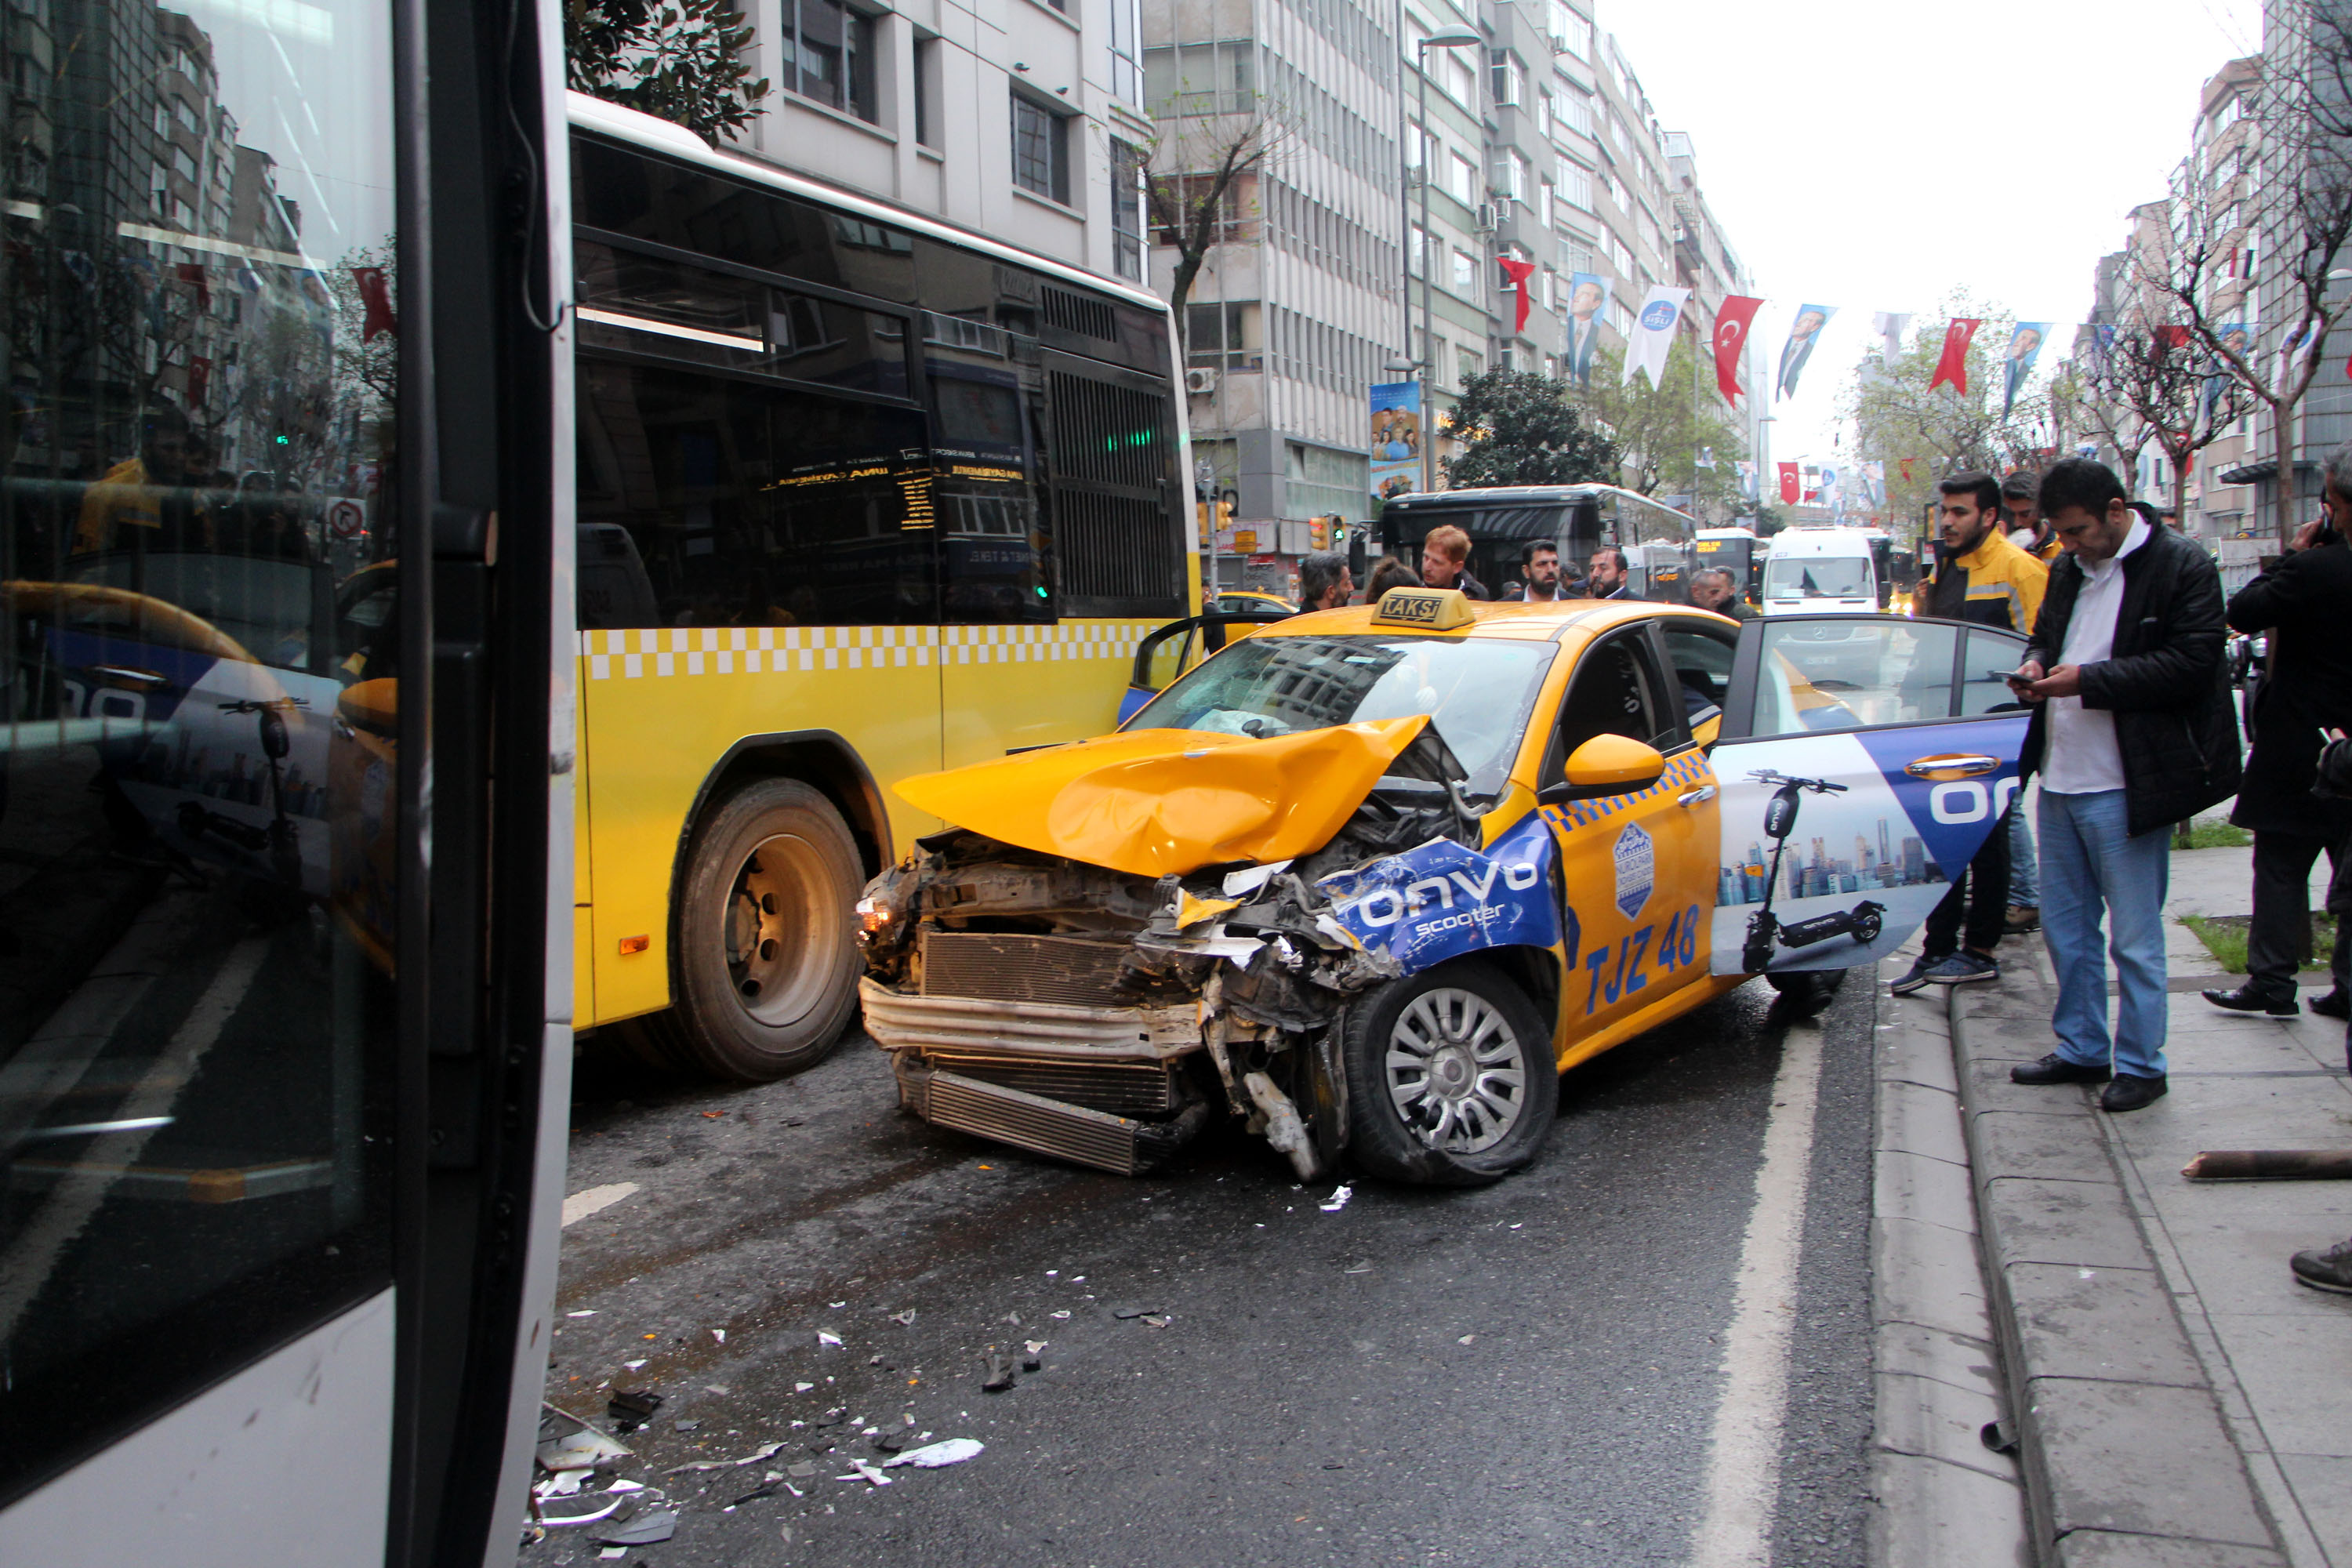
[(1442, 38)]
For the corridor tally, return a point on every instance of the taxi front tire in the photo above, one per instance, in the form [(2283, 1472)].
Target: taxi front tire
[(1465, 1017)]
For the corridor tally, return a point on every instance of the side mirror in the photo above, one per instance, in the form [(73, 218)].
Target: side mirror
[(1613, 764)]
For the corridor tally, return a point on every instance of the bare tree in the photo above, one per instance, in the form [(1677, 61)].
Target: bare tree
[(2301, 205), (2153, 383), (1203, 175)]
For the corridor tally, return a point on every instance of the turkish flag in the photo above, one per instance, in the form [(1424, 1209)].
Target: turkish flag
[(1788, 483), (375, 298), (1732, 320), (1954, 366), (1516, 274)]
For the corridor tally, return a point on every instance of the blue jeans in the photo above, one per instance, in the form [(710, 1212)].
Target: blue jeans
[(2024, 887), (2089, 862)]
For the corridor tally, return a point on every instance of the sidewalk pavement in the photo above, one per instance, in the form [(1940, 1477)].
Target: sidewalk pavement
[(2177, 1398)]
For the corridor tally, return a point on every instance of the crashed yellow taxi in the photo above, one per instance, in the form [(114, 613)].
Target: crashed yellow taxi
[(1371, 879)]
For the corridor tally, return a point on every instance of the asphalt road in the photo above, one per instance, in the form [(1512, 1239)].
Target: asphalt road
[(1525, 1374)]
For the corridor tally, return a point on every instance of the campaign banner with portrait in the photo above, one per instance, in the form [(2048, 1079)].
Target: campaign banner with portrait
[(1395, 438), (1804, 331), (1588, 312), (2024, 348)]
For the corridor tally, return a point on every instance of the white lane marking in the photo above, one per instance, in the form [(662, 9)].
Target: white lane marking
[(1743, 1470), (589, 1200), (27, 1265)]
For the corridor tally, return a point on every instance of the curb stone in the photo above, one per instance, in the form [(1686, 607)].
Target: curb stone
[(1941, 1496), (2125, 1452)]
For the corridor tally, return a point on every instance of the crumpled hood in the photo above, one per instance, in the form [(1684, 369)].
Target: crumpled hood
[(1154, 802)]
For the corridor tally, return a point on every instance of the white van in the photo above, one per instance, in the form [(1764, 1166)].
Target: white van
[(1816, 571)]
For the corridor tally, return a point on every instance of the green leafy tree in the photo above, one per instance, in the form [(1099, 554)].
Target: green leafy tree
[(1519, 427), (1671, 433), (679, 60)]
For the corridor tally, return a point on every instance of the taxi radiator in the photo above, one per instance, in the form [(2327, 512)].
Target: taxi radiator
[(1009, 966), (1129, 1089), (1032, 1122)]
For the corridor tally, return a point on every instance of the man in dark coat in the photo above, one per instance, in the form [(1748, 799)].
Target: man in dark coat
[(2304, 602), (2133, 733)]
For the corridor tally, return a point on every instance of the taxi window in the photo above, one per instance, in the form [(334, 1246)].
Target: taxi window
[(1478, 692), (1616, 692), (1846, 673), (1701, 665)]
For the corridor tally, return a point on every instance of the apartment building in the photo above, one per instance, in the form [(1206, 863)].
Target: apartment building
[(1024, 120)]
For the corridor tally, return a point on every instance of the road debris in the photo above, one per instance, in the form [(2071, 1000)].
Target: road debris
[(1338, 1199), (1124, 1313), (633, 1365), (827, 1337), (865, 1472), (719, 1334), (589, 1313), (890, 1439), (765, 1451), (645, 1529), (628, 1410), (1000, 1372), (1061, 1314), (905, 1319), (582, 1450), (557, 1520), (802, 1387), (938, 1455)]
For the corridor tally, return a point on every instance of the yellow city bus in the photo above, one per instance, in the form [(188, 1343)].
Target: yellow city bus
[(859, 496)]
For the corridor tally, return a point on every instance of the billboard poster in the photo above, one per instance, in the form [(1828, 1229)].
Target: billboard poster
[(1395, 438)]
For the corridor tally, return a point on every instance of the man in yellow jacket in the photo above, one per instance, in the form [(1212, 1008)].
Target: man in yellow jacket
[(1982, 577)]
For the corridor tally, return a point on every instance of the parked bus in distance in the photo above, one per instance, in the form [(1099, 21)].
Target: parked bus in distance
[(1580, 519), (860, 496), (1738, 551)]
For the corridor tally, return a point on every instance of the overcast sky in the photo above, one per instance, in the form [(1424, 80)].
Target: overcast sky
[(1873, 156)]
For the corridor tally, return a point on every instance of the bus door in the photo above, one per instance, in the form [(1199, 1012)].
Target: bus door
[(281, 1113)]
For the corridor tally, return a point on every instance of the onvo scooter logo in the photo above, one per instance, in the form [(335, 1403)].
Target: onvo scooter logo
[(1387, 906), (1970, 801)]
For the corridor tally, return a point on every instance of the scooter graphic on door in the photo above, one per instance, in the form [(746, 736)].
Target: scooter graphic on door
[(1862, 922)]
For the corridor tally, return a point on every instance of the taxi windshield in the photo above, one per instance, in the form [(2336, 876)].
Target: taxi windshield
[(1477, 692), (1818, 578)]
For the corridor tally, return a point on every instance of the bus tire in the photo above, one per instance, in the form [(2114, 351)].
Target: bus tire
[(765, 960)]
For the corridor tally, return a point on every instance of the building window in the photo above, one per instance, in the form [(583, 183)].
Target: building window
[(1573, 112), (1127, 51), (1575, 185), (828, 55), (1201, 79), (1570, 31), (1222, 337), (1466, 180), (1466, 274), (1040, 151), (1176, 200), (927, 88), (1417, 250), (1127, 209), (1468, 362)]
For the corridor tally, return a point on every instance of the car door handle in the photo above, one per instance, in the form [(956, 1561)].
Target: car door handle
[(1698, 796), (1947, 765)]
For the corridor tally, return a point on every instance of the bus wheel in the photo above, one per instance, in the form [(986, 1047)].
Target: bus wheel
[(767, 968)]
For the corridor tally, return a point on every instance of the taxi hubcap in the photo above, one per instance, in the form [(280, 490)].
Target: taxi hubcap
[(1456, 1073)]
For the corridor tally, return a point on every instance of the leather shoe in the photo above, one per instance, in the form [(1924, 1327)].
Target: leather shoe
[(2055, 1068), (2131, 1092), (2335, 1005), (2246, 999)]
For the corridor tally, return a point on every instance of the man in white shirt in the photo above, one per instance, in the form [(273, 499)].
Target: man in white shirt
[(2134, 733)]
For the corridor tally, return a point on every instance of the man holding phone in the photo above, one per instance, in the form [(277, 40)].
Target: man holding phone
[(1979, 576), (2303, 602), (2133, 733)]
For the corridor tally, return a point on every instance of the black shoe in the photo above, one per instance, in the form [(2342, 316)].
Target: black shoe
[(2131, 1092), (2246, 999), (2335, 1005), (2325, 1267), (1917, 979), (2055, 1068)]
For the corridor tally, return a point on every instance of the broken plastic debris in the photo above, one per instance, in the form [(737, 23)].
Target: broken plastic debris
[(629, 1409), (562, 1483), (556, 1522), (1465, 1339), (906, 1318), (935, 1456), (825, 1336), (889, 1440), (633, 1365), (719, 1334), (802, 1387), (1063, 1314), (1000, 1372), (865, 1472), (1338, 1199), (589, 1313), (1133, 1311), (766, 1451), (1250, 879), (1034, 1346), (625, 1486), (719, 1389), (645, 1529), (582, 1450)]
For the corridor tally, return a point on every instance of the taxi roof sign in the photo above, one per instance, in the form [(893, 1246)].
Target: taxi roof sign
[(1428, 609)]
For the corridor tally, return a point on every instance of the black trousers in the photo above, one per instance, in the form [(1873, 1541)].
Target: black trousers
[(2283, 863), (1982, 889)]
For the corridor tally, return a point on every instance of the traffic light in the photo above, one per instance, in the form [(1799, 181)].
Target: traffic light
[(1224, 513)]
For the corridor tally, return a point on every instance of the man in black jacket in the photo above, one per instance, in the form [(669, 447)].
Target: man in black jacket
[(2133, 733), (2304, 603)]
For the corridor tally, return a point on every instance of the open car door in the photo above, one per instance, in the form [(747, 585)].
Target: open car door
[(1177, 647), (1864, 760)]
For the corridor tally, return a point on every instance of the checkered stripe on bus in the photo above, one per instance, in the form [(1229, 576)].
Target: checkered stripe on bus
[(637, 652)]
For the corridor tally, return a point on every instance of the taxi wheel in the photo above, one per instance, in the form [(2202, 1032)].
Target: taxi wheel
[(1805, 991), (1451, 1079), (766, 962)]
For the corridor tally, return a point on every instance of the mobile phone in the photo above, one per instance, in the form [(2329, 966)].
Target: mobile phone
[(2014, 676)]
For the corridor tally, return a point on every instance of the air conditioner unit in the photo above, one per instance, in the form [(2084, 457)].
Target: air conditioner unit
[(1559, 44), (1200, 381), (1415, 176), (1486, 217)]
